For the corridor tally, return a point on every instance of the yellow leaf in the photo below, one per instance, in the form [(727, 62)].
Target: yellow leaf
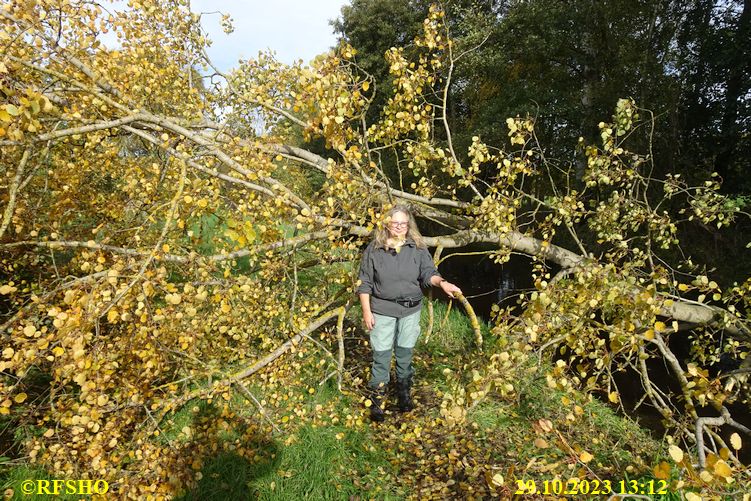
[(735, 441), (339, 120), (691, 496), (722, 469), (173, 298), (682, 287), (662, 471), (613, 397), (365, 86), (546, 425), (57, 351), (586, 457), (660, 326), (20, 398), (649, 334), (49, 433), (676, 453), (497, 479), (541, 443)]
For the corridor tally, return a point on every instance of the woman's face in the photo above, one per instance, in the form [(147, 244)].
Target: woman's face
[(399, 225)]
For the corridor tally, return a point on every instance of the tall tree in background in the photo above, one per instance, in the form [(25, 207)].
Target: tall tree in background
[(713, 59), (566, 63)]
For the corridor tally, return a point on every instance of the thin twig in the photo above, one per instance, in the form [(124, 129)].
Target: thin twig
[(246, 392)]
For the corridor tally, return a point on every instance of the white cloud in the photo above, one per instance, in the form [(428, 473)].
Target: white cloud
[(293, 29)]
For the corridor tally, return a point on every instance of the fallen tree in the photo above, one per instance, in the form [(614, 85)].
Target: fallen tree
[(154, 227)]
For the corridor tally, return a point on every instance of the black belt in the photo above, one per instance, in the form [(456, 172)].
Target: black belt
[(407, 303)]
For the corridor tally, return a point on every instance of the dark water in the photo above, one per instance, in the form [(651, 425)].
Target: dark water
[(483, 282)]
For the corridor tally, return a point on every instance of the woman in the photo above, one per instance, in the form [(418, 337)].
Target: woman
[(395, 267)]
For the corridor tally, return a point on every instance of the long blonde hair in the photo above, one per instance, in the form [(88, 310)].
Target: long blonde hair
[(382, 234)]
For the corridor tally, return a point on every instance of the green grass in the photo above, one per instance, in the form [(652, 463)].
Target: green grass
[(452, 334), (320, 466), (316, 462)]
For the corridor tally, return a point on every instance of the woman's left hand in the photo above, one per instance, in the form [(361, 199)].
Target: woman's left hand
[(450, 288)]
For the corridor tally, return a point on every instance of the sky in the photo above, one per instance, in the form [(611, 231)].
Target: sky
[(293, 29)]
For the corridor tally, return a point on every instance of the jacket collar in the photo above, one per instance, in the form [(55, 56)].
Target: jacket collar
[(407, 243)]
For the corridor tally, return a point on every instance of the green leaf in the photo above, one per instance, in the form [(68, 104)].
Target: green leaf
[(249, 231), (12, 110)]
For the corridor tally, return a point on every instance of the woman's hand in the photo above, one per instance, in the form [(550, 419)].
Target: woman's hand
[(369, 320), (449, 288)]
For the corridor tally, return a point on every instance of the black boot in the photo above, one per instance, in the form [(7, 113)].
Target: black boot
[(376, 406), (403, 394)]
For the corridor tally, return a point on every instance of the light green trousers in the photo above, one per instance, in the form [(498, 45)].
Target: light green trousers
[(393, 334)]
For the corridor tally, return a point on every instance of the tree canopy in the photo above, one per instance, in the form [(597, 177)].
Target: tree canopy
[(161, 217)]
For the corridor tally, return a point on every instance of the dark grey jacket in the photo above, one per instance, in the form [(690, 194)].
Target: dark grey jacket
[(387, 274)]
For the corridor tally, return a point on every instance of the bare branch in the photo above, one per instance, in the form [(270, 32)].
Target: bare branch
[(11, 207)]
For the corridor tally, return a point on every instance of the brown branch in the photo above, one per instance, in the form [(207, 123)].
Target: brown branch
[(74, 61), (248, 395), (157, 246), (224, 158), (431, 314), (66, 78), (195, 165), (677, 370), (703, 422), (294, 241), (90, 128), (320, 163), (11, 207), (269, 107), (260, 364), (656, 399), (294, 341), (472, 319), (340, 342), (48, 295)]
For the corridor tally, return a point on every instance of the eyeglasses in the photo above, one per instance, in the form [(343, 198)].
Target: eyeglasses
[(395, 224)]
